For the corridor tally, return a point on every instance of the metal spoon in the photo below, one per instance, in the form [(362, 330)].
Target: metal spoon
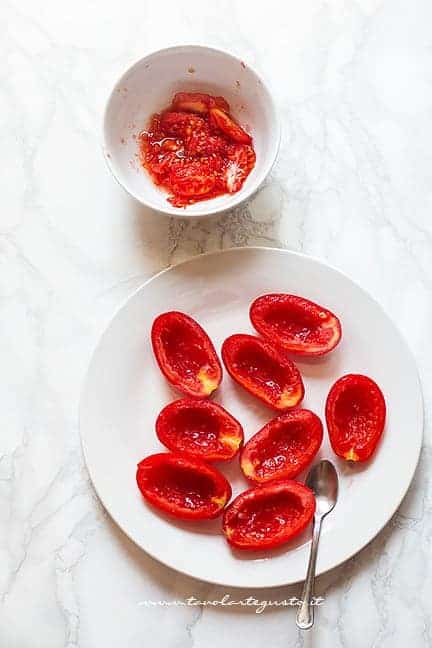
[(323, 480)]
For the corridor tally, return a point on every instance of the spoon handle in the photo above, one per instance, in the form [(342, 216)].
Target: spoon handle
[(305, 613)]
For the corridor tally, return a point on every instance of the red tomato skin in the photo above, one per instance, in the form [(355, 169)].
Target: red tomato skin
[(305, 314), (261, 458), (242, 515), (352, 396), (170, 334), (228, 126), (222, 103), (198, 102), (181, 422), (154, 471), (242, 345)]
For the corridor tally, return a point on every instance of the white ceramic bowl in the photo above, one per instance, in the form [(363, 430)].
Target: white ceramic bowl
[(148, 87)]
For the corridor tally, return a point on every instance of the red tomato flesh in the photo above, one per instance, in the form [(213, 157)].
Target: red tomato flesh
[(185, 354), (195, 150), (200, 428), (296, 324), (269, 515), (241, 162), (282, 448), (355, 415), (261, 370), (184, 487)]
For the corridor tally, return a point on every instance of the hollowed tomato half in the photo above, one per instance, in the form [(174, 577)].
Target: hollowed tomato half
[(282, 448), (355, 414), (184, 487), (185, 354), (296, 324), (268, 515), (261, 370), (200, 428)]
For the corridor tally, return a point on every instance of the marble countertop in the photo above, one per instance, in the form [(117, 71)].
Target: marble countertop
[(352, 186)]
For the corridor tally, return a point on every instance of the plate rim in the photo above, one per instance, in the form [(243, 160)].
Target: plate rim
[(243, 249)]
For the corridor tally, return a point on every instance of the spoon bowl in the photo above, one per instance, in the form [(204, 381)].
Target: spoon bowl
[(323, 481)]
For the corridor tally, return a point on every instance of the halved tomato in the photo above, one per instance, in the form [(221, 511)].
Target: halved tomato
[(185, 354), (228, 126), (296, 324), (197, 102), (200, 428), (268, 515), (355, 415), (282, 448), (262, 371), (184, 487)]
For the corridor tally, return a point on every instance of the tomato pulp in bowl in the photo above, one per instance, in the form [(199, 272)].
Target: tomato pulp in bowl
[(195, 150), (146, 89)]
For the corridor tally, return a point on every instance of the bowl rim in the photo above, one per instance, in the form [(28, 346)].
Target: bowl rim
[(170, 210)]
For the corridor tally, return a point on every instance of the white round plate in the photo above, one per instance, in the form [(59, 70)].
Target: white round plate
[(124, 391)]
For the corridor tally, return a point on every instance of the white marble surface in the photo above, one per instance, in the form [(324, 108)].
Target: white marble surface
[(353, 186)]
